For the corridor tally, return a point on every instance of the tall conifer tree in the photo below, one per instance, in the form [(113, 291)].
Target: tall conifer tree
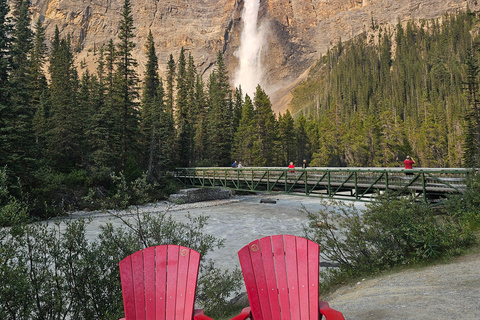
[(266, 127), (5, 67), (65, 131), (126, 91), (182, 112), (219, 116), (18, 132)]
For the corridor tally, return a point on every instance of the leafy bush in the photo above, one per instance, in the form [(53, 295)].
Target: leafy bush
[(466, 206), (51, 271), (12, 210), (392, 231)]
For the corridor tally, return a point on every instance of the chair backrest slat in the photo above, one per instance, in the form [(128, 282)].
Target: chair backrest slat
[(172, 267), (149, 280), (160, 283), (138, 284), (281, 277)]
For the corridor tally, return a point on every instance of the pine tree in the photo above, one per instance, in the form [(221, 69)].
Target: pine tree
[(39, 99), (64, 135), (152, 106), (182, 112), (200, 126), (246, 147), (166, 137), (286, 137), (5, 67), (5, 47), (100, 131), (126, 90), (237, 108), (18, 133), (471, 148), (266, 127), (170, 84), (219, 116)]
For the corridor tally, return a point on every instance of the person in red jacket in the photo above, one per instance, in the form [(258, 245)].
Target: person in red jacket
[(291, 166), (409, 162)]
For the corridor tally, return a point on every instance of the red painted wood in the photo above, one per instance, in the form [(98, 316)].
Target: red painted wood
[(172, 274), (302, 267), (313, 280), (181, 283), (161, 281), (292, 272), (138, 284), (279, 257), (270, 276), (259, 272), (194, 264), (329, 313), (250, 281), (290, 265), (149, 280), (127, 287)]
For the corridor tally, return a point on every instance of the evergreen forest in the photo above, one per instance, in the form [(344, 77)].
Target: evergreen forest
[(397, 91), (368, 102)]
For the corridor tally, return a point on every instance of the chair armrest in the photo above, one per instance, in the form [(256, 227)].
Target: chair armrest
[(245, 314), (198, 315), (329, 313)]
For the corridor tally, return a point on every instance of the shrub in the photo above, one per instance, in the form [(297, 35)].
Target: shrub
[(392, 231), (12, 210), (51, 271), (466, 206)]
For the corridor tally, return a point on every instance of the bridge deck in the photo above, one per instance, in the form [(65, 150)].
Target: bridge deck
[(362, 184)]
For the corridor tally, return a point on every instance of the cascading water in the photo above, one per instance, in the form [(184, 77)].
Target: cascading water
[(249, 72)]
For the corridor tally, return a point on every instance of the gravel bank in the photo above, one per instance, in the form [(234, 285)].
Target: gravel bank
[(445, 291)]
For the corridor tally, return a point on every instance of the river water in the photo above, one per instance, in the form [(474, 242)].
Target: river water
[(239, 220)]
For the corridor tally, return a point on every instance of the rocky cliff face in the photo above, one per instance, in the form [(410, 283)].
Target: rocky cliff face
[(298, 31)]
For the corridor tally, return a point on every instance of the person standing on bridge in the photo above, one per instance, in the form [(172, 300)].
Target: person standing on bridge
[(291, 166), (304, 164), (409, 162)]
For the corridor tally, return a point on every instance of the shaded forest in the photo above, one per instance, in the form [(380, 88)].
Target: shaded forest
[(368, 102)]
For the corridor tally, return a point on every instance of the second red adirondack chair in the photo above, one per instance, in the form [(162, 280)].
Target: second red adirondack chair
[(159, 283), (281, 277)]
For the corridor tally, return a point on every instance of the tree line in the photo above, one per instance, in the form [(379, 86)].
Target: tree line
[(367, 102), (410, 89), (63, 133)]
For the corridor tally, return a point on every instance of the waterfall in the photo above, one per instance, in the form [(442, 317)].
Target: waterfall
[(249, 72)]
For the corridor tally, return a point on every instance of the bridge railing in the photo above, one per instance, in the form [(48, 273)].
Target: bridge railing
[(362, 184)]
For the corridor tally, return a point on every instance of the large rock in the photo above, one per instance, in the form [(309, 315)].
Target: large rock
[(300, 31)]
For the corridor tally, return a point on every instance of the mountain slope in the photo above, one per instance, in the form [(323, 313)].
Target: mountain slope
[(298, 31)]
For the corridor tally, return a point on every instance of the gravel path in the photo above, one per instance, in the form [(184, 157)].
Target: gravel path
[(445, 291)]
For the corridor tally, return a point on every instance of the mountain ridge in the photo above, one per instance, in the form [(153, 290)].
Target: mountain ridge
[(298, 32)]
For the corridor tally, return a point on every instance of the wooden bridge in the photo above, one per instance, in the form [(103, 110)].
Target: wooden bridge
[(359, 184)]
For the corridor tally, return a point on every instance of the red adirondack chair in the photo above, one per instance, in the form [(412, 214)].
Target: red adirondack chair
[(159, 283), (281, 278)]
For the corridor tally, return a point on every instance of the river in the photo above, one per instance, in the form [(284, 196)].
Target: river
[(239, 220)]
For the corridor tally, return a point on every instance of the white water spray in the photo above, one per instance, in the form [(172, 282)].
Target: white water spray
[(249, 72)]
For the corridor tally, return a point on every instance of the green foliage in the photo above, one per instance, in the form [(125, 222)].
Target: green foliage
[(465, 206), (12, 210), (390, 232), (52, 271), (410, 79)]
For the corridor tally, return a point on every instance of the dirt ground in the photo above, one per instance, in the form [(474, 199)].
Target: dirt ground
[(444, 291)]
